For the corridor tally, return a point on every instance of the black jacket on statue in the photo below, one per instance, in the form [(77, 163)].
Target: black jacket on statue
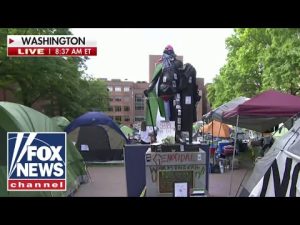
[(189, 97)]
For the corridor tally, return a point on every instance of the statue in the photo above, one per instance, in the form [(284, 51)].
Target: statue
[(173, 89)]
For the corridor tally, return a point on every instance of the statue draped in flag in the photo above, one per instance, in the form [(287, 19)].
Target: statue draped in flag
[(163, 86), (173, 93)]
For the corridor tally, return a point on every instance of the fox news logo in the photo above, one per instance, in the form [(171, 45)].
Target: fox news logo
[(36, 161)]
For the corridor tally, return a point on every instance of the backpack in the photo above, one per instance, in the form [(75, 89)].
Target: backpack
[(168, 82)]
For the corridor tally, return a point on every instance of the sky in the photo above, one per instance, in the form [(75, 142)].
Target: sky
[(124, 53)]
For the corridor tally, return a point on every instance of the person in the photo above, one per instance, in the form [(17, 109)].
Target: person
[(267, 142), (145, 134)]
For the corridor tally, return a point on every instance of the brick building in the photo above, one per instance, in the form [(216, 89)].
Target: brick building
[(126, 100)]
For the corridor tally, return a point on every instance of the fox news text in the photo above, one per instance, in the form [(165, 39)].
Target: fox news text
[(36, 161)]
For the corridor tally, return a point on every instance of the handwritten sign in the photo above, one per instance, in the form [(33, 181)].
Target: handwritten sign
[(165, 129)]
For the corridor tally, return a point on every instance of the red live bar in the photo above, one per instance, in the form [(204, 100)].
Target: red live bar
[(51, 51), (36, 184)]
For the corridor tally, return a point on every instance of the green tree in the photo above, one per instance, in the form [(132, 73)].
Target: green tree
[(211, 93), (59, 80), (282, 61), (257, 60), (36, 77)]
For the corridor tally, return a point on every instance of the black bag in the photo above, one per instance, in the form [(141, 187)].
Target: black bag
[(168, 82)]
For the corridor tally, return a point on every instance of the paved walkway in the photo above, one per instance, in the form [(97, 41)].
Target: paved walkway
[(110, 181), (219, 183), (107, 181)]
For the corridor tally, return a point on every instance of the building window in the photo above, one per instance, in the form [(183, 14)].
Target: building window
[(126, 99), (118, 99), (126, 108), (110, 88), (126, 119), (118, 118), (138, 118), (118, 108), (139, 102), (118, 89), (126, 89), (110, 109)]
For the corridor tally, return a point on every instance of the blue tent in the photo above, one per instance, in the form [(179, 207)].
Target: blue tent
[(97, 137)]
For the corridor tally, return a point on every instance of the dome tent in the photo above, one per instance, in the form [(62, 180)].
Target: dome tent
[(18, 118), (97, 137), (61, 121), (127, 131)]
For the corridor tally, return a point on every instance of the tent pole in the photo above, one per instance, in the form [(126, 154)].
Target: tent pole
[(87, 171), (219, 137), (234, 149), (212, 134)]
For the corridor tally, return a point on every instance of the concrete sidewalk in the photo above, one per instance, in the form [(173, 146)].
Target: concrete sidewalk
[(219, 183), (110, 181), (107, 181)]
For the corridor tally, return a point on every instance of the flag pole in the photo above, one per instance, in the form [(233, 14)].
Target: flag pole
[(234, 149), (148, 104)]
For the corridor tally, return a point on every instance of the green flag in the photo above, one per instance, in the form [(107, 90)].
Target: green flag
[(155, 102)]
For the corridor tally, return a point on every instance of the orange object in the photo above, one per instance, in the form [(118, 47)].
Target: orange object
[(217, 129)]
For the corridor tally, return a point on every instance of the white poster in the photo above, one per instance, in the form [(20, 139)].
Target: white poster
[(181, 189), (165, 129), (188, 100), (85, 148)]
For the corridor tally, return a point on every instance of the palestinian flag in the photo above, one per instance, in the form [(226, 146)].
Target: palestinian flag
[(156, 103)]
